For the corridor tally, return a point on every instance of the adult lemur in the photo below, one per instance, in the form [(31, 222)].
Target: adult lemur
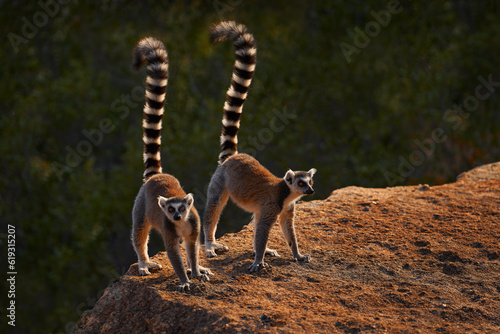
[(242, 177), (161, 203)]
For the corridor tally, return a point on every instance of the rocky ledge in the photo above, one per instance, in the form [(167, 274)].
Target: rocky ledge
[(415, 259)]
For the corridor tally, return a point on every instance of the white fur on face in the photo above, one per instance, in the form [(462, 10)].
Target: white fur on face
[(300, 182), (175, 207)]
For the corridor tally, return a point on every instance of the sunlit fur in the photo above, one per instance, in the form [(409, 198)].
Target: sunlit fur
[(240, 176), (160, 190)]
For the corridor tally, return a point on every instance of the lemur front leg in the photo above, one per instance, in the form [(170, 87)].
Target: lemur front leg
[(262, 228), (269, 251), (174, 255), (192, 258), (286, 222)]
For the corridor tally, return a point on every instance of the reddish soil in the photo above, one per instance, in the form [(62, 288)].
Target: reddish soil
[(413, 259)]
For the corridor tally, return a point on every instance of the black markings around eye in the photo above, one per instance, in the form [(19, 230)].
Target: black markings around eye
[(171, 209)]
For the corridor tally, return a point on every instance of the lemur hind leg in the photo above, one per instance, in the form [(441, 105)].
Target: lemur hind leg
[(216, 201)]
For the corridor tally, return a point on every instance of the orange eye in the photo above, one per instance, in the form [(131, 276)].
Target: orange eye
[(311, 183), (171, 209), (301, 184), (182, 208)]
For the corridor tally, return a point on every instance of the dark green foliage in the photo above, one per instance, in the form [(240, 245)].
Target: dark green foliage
[(373, 121)]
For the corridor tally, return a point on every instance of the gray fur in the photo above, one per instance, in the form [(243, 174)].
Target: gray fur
[(160, 191), (147, 214)]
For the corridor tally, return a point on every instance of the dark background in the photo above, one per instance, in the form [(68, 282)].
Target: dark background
[(386, 114)]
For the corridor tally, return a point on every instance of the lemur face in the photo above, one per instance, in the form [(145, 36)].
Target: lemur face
[(300, 182), (176, 208)]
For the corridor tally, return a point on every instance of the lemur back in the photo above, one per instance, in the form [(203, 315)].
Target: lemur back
[(240, 176), (161, 203)]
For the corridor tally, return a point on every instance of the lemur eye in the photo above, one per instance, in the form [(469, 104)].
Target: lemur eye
[(311, 183), (171, 209), (182, 208), (301, 184)]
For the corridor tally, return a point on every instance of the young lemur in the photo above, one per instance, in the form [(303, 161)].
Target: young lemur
[(242, 177), (161, 203)]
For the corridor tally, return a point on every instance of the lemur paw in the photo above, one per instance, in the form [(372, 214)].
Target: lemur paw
[(203, 270), (202, 277), (145, 266), (256, 266), (210, 253), (203, 274), (303, 258), (219, 246), (270, 252), (183, 287), (211, 247), (206, 271)]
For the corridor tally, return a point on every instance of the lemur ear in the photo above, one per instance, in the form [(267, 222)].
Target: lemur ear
[(289, 176), (161, 201), (189, 200), (311, 172)]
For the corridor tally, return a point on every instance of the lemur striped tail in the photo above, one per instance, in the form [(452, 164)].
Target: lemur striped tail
[(244, 67), (152, 52)]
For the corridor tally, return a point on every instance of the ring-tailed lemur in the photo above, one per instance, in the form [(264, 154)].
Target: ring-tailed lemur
[(242, 177), (161, 203)]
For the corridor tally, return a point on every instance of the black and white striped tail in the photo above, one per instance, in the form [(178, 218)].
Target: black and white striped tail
[(244, 67), (152, 52)]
